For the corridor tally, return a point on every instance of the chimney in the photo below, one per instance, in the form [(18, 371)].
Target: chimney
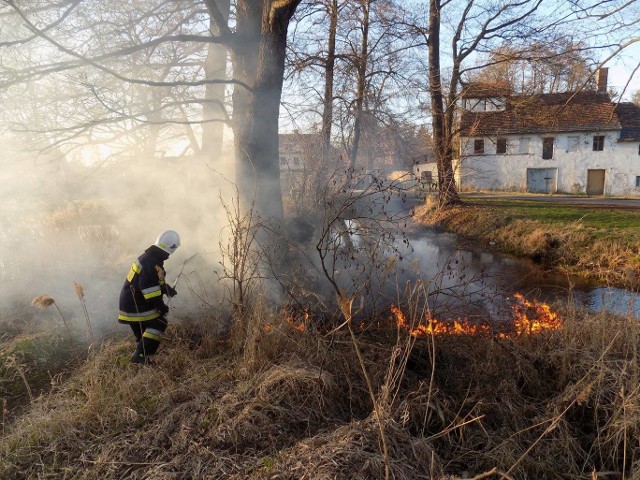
[(601, 79)]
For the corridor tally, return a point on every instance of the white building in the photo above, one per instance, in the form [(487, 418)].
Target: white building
[(575, 142)]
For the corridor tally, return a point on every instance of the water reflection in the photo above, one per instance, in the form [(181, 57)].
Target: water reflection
[(467, 282), (614, 300), (507, 275)]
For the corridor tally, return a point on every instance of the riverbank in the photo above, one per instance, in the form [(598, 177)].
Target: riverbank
[(597, 243), (283, 403)]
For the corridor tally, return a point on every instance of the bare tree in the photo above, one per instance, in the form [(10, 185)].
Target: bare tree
[(327, 111), (478, 27), (154, 54), (257, 139), (123, 75), (361, 69), (214, 107), (558, 67)]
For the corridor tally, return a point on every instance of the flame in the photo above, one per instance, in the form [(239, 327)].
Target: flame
[(533, 317), (401, 320), (434, 327), (530, 318), (296, 324)]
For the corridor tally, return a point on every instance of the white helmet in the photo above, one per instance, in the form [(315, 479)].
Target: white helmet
[(169, 241)]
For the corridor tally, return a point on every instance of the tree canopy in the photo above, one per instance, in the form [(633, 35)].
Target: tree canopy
[(157, 78)]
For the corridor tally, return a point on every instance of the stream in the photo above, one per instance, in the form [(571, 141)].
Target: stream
[(466, 280), (480, 283)]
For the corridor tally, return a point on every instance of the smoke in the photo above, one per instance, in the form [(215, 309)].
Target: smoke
[(64, 222)]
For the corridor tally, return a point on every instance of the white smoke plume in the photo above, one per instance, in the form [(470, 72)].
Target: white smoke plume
[(63, 222)]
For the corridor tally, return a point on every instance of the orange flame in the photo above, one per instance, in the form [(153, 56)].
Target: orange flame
[(434, 327), (533, 317), (299, 325), (530, 317)]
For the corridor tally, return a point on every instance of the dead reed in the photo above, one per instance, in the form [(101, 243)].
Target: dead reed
[(44, 301), (80, 293)]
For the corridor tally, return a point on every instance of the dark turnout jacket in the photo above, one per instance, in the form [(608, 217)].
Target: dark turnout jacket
[(141, 294)]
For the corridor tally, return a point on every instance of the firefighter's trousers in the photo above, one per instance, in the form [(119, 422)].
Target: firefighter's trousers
[(148, 336)]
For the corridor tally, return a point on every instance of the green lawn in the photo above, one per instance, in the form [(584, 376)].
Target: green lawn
[(605, 221)]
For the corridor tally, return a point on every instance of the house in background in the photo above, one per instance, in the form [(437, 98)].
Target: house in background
[(301, 163), (299, 154), (427, 174), (575, 142)]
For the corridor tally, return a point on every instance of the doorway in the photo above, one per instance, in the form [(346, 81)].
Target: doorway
[(595, 182)]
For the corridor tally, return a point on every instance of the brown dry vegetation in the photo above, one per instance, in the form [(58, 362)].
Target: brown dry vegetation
[(283, 404), (568, 247)]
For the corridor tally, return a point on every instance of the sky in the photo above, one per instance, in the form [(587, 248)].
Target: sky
[(621, 70)]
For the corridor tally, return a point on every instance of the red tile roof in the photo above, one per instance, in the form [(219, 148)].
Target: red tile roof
[(545, 113), (486, 89)]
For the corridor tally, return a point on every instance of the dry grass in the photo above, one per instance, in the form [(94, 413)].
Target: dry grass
[(282, 404), (72, 213)]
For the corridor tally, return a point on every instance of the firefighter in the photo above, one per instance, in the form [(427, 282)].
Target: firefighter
[(141, 299)]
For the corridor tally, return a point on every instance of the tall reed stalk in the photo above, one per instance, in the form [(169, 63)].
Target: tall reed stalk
[(80, 293)]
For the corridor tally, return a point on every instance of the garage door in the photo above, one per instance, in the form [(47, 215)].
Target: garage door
[(542, 180)]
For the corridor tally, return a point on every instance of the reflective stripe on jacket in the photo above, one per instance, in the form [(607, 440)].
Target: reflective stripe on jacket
[(141, 294)]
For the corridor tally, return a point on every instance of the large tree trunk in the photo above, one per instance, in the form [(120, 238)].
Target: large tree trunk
[(327, 111), (213, 110), (256, 127), (442, 121), (362, 72), (245, 60)]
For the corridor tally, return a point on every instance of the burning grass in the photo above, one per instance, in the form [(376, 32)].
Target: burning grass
[(530, 317), (283, 403)]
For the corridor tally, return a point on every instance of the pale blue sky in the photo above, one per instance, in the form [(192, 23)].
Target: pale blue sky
[(621, 69)]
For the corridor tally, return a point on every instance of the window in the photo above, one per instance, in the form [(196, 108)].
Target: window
[(598, 143), (478, 106), (638, 149), (501, 146), (637, 181), (572, 144), (478, 146), (547, 148), (524, 145)]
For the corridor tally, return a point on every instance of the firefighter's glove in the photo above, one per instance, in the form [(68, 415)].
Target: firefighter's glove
[(164, 309), (170, 291)]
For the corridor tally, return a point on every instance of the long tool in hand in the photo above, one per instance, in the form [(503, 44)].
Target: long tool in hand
[(175, 282), (180, 274)]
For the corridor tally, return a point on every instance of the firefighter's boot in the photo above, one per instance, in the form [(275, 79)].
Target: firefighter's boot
[(139, 358)]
